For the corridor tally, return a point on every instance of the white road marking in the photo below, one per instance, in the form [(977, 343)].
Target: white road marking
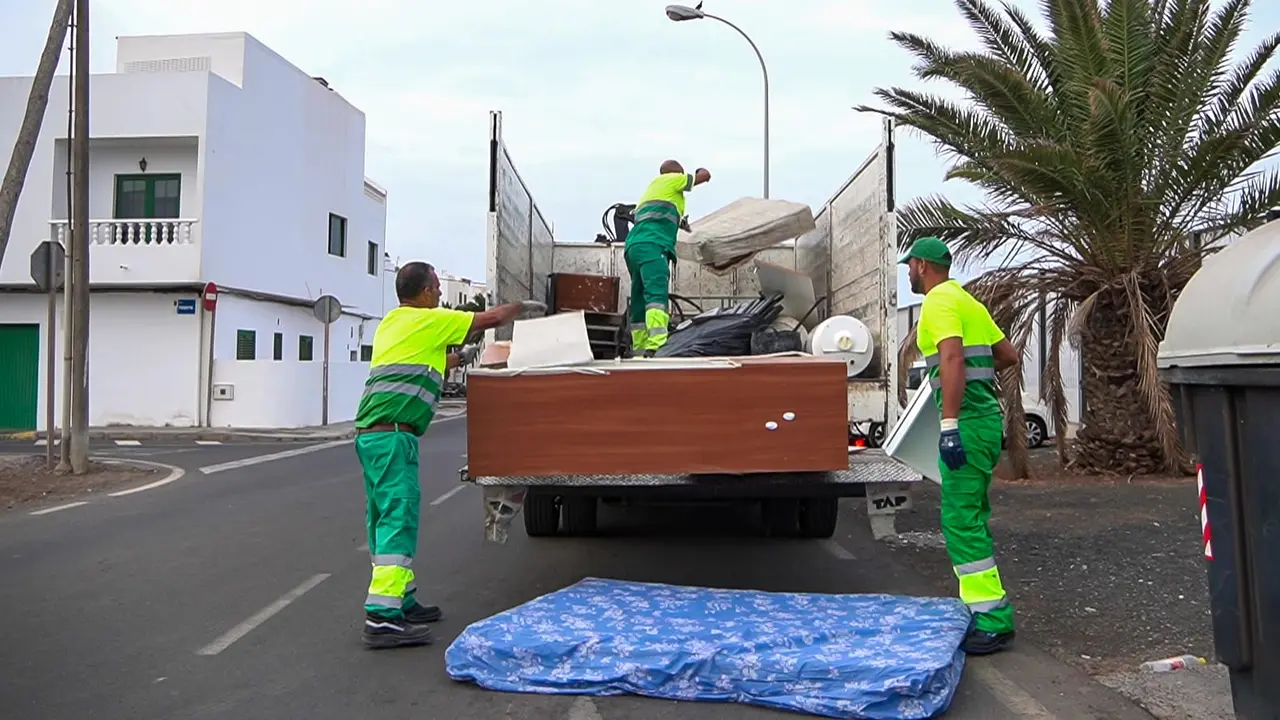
[(259, 459), (208, 442), (42, 442), (1017, 700), (261, 616), (58, 508), (837, 550), (128, 443), (584, 708), (175, 473), (448, 495), (363, 548)]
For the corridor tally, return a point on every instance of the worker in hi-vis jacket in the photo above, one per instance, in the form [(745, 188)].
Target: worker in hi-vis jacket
[(963, 349), (409, 364), (651, 248)]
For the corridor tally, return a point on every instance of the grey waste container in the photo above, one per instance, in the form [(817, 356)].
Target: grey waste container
[(1221, 359)]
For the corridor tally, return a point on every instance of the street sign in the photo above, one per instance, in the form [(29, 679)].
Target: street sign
[(210, 296), (48, 256), (327, 309), (186, 306)]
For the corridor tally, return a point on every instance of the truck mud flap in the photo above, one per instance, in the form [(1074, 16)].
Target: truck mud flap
[(884, 501)]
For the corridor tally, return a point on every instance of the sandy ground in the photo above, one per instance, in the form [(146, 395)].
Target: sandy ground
[(24, 480), (1105, 573)]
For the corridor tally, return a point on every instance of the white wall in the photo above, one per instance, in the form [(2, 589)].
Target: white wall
[(282, 153), (286, 392), (144, 362), (135, 106)]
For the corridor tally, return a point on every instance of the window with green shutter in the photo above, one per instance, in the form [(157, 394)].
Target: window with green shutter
[(277, 346), (306, 348), (246, 345)]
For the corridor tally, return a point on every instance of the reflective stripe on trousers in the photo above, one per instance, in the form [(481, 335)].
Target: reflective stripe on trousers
[(980, 586), (392, 580)]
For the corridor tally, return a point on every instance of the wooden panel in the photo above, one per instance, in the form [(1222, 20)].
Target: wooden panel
[(661, 421), (593, 293)]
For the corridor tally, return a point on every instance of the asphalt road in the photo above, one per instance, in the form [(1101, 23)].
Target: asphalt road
[(157, 605)]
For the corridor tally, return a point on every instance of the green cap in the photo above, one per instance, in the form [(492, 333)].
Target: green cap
[(929, 249)]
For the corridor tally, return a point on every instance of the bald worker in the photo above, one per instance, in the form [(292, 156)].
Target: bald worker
[(651, 248)]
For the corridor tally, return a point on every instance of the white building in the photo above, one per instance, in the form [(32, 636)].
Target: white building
[(212, 159), (457, 290)]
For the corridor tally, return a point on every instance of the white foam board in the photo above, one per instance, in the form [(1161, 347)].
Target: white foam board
[(552, 341)]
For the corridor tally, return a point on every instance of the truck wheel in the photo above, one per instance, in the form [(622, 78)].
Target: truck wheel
[(541, 515), (781, 517), (579, 514), (875, 438), (818, 517)]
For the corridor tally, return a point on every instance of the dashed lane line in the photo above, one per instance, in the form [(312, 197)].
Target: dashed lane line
[(59, 508), (448, 495), (1014, 698), (263, 615)]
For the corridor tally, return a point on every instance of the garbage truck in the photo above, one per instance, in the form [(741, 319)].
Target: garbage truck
[(848, 263)]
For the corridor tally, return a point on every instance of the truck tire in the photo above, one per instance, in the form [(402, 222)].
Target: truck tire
[(579, 513), (818, 517), (781, 517), (541, 515)]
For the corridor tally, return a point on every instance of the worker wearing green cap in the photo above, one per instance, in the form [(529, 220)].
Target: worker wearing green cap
[(963, 348)]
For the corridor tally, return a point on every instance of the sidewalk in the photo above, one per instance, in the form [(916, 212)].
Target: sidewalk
[(315, 433)]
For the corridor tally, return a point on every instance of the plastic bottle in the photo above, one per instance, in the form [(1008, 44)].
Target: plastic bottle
[(1173, 663)]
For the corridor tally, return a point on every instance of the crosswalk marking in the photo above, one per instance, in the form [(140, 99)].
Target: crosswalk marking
[(208, 442), (128, 443)]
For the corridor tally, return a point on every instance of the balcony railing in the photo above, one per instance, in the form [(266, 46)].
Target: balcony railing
[(129, 232)]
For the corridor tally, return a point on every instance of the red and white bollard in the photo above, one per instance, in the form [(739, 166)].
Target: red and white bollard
[(1204, 513)]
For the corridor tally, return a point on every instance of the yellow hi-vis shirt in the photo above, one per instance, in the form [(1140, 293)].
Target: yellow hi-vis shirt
[(408, 365), (949, 311), (664, 198)]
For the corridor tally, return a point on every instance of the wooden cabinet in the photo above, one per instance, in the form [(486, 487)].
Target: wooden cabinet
[(734, 415)]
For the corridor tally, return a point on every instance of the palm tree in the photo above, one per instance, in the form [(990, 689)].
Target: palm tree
[(37, 102), (1112, 151)]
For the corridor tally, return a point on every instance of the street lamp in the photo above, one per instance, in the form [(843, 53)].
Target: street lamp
[(680, 13)]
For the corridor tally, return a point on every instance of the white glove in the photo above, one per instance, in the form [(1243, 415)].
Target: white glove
[(467, 354), (531, 309)]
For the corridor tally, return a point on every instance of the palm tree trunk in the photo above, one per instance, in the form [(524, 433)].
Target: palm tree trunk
[(37, 102), (1118, 435)]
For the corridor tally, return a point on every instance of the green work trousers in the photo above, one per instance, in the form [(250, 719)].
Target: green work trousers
[(649, 265), (966, 510), (392, 498)]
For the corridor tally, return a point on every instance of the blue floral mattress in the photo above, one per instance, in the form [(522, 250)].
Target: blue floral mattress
[(840, 656)]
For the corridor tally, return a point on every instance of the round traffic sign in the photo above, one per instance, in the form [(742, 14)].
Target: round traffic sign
[(210, 296)]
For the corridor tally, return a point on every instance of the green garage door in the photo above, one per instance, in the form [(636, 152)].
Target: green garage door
[(20, 368)]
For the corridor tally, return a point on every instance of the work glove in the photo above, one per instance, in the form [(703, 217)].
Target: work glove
[(467, 354), (531, 309), (950, 448)]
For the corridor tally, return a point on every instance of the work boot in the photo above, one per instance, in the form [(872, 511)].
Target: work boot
[(650, 353), (979, 642), (382, 633), (419, 614)]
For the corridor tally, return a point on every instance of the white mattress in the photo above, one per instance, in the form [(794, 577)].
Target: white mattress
[(732, 235)]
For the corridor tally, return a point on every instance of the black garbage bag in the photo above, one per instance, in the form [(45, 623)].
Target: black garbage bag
[(722, 331)]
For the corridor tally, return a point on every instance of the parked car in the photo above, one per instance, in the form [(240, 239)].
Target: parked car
[(1037, 414)]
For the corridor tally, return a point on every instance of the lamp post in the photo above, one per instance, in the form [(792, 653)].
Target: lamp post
[(680, 13)]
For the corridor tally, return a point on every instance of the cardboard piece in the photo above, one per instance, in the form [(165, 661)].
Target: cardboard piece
[(913, 441), (551, 341), (796, 288)]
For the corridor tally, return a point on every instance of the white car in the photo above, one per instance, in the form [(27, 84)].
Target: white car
[(1037, 414)]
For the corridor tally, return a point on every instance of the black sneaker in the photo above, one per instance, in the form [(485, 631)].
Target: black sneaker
[(978, 642), (420, 614), (384, 633), (650, 353)]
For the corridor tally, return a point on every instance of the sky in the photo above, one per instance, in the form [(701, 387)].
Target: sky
[(594, 95)]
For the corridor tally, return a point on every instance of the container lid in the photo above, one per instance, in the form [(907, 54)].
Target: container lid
[(1229, 313)]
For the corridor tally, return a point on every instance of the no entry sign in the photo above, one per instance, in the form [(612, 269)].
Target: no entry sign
[(210, 297)]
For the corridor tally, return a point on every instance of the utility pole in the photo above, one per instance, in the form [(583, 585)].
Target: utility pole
[(78, 383), (64, 433)]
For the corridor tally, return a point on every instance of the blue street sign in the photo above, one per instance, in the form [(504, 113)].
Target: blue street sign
[(186, 307)]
